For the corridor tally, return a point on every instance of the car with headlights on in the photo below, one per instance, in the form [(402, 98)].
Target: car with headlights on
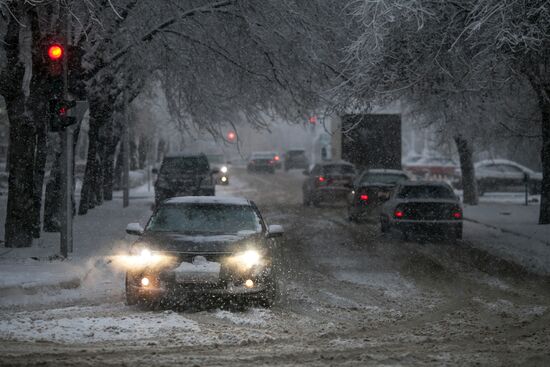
[(212, 247), (221, 165), (371, 189), (184, 174), (328, 181), (423, 207)]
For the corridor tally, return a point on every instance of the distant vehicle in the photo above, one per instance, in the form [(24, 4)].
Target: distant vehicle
[(203, 246), (430, 166), (295, 159), (184, 174), (499, 174), (371, 189), (372, 140), (219, 163), (423, 207), (261, 162), (328, 181)]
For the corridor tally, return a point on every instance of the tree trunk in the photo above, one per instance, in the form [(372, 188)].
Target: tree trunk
[(469, 184), (108, 161), (22, 141), (544, 214), (118, 167), (87, 194)]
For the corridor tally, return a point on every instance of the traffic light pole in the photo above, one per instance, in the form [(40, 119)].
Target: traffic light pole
[(126, 156), (66, 242)]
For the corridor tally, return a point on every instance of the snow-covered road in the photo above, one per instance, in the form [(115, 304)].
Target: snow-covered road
[(350, 296)]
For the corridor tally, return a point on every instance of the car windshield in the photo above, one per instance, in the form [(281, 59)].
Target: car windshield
[(205, 219), (425, 192), (184, 164), (216, 159), (383, 178), (338, 169)]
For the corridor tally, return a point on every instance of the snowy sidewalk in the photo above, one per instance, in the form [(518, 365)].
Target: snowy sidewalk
[(98, 234), (510, 231)]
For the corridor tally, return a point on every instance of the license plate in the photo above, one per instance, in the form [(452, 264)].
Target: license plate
[(200, 271)]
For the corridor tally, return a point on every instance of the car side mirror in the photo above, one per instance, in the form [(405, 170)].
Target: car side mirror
[(134, 229), (305, 172), (275, 231), (155, 171), (214, 171)]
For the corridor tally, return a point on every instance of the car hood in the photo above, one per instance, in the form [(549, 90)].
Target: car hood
[(171, 241)]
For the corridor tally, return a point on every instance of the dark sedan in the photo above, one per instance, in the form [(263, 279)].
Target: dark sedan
[(328, 182), (371, 189), (423, 207), (262, 162), (203, 246)]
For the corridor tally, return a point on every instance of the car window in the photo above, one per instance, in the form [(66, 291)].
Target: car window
[(317, 170), (508, 168), (425, 192), (338, 169), (383, 178), (207, 219), (184, 164)]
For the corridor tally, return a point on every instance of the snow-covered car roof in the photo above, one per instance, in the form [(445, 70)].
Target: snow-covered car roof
[(502, 161), (223, 200), (424, 183), (388, 171)]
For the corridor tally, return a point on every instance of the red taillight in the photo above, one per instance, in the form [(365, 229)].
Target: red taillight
[(398, 214), (321, 179), (364, 197), (457, 215), (276, 158)]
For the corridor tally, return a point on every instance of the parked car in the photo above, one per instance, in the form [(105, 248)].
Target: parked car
[(423, 207), (261, 162), (203, 246), (295, 159), (371, 189), (184, 174), (219, 163), (328, 181), (424, 167), (500, 174)]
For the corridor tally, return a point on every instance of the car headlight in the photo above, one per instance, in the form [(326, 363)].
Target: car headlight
[(223, 169), (247, 259)]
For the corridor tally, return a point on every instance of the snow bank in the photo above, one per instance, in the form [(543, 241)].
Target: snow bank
[(74, 328)]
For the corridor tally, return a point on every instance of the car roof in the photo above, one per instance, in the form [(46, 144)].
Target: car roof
[(184, 155), (424, 183), (222, 200), (500, 161), (388, 171)]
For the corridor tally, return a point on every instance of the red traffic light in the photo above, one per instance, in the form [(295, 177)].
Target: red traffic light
[(55, 52), (313, 120), (231, 136)]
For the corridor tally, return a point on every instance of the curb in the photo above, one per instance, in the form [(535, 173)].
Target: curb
[(504, 230)]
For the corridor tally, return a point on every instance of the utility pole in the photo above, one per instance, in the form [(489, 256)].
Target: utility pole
[(126, 156), (66, 242)]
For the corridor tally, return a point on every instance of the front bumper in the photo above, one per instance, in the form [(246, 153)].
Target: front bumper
[(164, 285), (427, 225)]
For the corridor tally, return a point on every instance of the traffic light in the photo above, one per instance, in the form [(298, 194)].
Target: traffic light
[(59, 114), (231, 136)]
